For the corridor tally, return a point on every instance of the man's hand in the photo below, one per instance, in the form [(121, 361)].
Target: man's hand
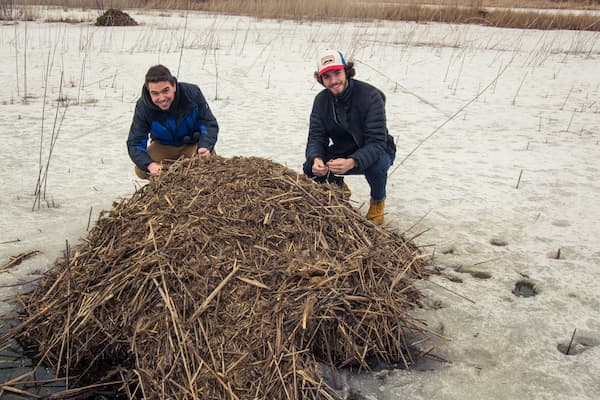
[(341, 165), (154, 168), (319, 168), (203, 152)]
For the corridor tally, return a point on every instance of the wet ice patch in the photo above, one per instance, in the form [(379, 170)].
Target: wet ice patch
[(525, 288)]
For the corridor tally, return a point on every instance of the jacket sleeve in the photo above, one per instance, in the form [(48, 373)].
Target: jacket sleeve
[(209, 128), (138, 138), (318, 139), (374, 135)]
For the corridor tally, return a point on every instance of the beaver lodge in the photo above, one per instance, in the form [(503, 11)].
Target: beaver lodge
[(226, 279), (114, 17)]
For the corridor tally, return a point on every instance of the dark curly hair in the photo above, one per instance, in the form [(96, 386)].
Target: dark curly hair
[(159, 73), (349, 68)]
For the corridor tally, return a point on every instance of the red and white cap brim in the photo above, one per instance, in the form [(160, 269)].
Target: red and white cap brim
[(330, 60)]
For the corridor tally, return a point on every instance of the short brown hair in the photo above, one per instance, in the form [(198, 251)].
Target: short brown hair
[(348, 68), (159, 73)]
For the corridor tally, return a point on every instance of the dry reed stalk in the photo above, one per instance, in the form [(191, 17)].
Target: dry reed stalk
[(86, 48), (451, 117), (39, 180), (16, 260), (17, 62), (182, 41), (41, 183), (571, 120), (519, 88), (25, 66), (567, 98), (462, 63), (519, 179), (216, 75), (54, 134)]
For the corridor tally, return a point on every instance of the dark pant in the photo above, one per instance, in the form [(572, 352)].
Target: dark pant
[(376, 175)]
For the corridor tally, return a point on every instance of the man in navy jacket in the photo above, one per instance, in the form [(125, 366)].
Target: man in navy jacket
[(172, 119), (348, 132)]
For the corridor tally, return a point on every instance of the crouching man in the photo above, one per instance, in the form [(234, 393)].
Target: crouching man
[(348, 132), (172, 119)]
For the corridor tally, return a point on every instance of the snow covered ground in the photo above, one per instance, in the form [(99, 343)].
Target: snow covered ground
[(497, 168)]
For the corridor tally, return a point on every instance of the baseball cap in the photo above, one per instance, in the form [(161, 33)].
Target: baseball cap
[(330, 60)]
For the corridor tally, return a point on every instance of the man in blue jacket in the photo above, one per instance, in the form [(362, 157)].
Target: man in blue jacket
[(348, 132), (171, 120)]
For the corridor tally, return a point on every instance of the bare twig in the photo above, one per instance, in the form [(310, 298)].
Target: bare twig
[(451, 291), (463, 107), (571, 341), (16, 260), (519, 179)]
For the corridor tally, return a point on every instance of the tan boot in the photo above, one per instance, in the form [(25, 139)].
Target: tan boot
[(375, 213)]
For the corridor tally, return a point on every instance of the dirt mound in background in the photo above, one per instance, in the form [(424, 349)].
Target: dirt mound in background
[(227, 279), (114, 17)]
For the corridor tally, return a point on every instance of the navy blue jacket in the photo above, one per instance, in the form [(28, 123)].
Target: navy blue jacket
[(354, 123), (188, 113)]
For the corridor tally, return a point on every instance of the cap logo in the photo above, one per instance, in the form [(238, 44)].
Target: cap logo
[(330, 60), (327, 60)]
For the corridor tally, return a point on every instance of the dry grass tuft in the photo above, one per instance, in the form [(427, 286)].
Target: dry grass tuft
[(499, 18), (227, 279)]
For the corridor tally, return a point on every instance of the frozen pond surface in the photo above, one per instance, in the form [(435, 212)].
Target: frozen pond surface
[(504, 125)]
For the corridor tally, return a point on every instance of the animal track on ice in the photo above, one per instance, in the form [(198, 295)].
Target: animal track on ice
[(561, 223), (578, 345), (498, 242), (524, 288)]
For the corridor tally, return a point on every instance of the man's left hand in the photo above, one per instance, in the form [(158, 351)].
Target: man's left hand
[(203, 152), (341, 165)]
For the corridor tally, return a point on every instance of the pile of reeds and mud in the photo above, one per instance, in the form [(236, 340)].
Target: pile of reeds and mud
[(114, 17), (227, 279)]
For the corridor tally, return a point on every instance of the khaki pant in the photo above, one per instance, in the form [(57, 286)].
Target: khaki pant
[(160, 153)]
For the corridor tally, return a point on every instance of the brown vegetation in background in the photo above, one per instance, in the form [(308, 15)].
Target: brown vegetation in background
[(505, 18), (227, 279), (500, 13)]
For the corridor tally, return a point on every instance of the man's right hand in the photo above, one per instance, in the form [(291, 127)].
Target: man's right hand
[(319, 168), (154, 168)]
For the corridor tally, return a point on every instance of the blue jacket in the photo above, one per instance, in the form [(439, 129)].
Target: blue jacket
[(352, 125), (188, 113)]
